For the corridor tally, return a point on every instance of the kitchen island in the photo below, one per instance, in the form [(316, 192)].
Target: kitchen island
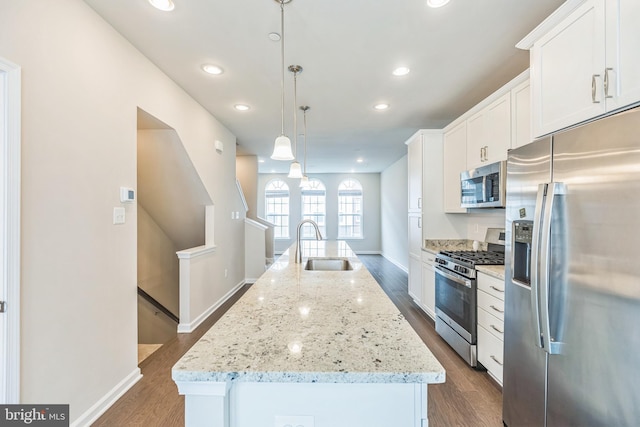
[(309, 348)]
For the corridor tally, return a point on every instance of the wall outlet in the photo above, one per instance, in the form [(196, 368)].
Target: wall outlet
[(293, 421)]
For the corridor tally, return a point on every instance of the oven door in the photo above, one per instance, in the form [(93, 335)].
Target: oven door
[(456, 302)]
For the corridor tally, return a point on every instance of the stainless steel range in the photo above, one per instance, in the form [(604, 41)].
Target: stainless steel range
[(456, 293)]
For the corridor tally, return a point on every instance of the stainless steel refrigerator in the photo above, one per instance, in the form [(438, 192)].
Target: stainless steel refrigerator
[(572, 266)]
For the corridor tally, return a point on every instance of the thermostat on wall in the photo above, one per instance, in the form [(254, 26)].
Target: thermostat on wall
[(127, 195)]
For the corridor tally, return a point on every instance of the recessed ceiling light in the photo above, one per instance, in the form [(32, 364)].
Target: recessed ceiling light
[(274, 36), (437, 3), (360, 160), (260, 160), (212, 69), (166, 5), (241, 107), (401, 71), (381, 107)]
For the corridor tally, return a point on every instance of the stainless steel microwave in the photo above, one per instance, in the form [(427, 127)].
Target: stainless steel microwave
[(484, 187)]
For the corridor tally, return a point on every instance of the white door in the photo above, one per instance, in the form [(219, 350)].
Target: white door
[(9, 232), (3, 239)]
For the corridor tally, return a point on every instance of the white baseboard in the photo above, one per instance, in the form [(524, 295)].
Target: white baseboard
[(367, 252), (250, 280), (100, 407), (396, 263), (187, 328)]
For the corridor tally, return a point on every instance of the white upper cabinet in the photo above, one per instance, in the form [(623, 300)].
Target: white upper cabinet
[(521, 115), (623, 52), (585, 65), (414, 166), (489, 133), (455, 161)]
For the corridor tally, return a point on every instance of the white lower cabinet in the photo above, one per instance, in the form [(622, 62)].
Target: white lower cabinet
[(415, 278), (429, 284), (491, 324)]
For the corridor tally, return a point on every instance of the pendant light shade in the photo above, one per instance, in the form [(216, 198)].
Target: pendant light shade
[(282, 146), (295, 171), (304, 181), (282, 149)]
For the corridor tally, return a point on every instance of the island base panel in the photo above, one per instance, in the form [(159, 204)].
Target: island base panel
[(334, 405)]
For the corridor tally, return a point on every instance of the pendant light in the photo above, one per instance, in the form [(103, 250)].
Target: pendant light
[(305, 179), (295, 171), (282, 146)]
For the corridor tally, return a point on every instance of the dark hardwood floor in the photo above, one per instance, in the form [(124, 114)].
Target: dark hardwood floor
[(467, 398)]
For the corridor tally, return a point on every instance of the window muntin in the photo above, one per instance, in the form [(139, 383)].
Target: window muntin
[(314, 207), (350, 209), (276, 195)]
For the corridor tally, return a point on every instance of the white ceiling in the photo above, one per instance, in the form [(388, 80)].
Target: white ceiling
[(458, 55)]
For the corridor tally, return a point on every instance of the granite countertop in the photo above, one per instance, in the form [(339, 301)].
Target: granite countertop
[(496, 271), (436, 245), (295, 325)]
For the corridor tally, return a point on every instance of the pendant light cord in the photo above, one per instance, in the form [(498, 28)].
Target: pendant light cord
[(295, 116), (282, 58), (304, 109)]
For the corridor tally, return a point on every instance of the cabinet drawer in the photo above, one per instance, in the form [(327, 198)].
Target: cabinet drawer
[(490, 353), (491, 285), (491, 323), (428, 257), (491, 304)]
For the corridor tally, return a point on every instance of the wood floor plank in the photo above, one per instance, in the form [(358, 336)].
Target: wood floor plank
[(467, 398)]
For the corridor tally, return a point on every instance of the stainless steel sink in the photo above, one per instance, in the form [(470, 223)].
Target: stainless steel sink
[(328, 264)]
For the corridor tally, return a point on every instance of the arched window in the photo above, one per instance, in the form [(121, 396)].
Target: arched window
[(314, 207), (350, 209), (276, 196)]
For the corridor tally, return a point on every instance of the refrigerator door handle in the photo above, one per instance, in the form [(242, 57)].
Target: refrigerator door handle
[(553, 190), (535, 262)]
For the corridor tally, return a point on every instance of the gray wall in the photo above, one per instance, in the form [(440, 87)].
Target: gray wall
[(371, 243)]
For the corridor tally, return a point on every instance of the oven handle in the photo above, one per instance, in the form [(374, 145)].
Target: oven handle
[(453, 276)]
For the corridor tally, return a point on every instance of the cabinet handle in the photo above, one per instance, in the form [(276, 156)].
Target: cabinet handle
[(419, 222), (486, 153), (496, 309), (419, 202), (496, 360), (606, 82), (496, 329), (496, 289), (593, 88)]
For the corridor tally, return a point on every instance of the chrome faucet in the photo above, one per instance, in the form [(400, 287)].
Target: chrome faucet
[(298, 249)]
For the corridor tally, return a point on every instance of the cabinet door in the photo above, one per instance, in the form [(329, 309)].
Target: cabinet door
[(497, 129), (521, 115), (429, 289), (415, 278), (414, 166), (476, 139), (566, 64), (455, 161), (623, 61), (415, 234)]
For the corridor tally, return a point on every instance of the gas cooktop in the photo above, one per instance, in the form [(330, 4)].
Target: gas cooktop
[(475, 257)]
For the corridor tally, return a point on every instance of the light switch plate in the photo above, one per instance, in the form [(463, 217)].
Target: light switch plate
[(293, 421), (118, 215)]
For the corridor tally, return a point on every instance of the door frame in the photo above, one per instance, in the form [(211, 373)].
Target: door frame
[(10, 223)]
